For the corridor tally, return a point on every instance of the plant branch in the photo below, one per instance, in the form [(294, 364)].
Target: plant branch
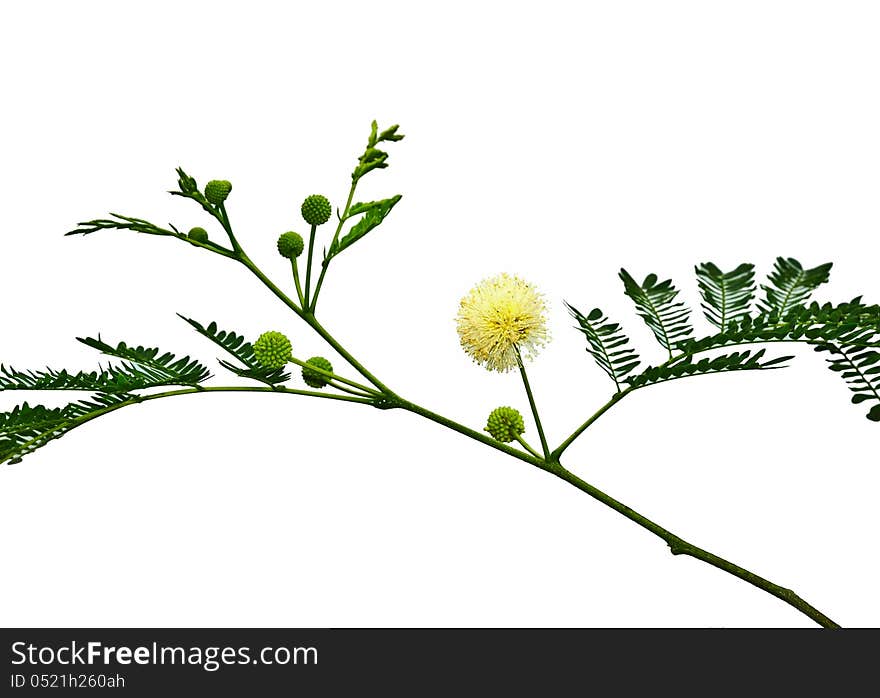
[(679, 546), (617, 397)]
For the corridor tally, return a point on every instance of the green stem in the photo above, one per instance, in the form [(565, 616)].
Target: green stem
[(522, 442), (330, 374), (326, 261), (224, 221), (309, 267), (467, 431), (679, 546), (351, 391), (525, 379), (617, 397), (299, 292)]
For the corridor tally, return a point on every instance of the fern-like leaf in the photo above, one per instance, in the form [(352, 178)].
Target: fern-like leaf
[(26, 428), (790, 285), (667, 318), (120, 222), (606, 343), (858, 366), (242, 350), (164, 369), (686, 366), (812, 324), (727, 296), (113, 379)]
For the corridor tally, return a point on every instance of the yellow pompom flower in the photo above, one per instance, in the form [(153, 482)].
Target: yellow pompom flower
[(499, 316)]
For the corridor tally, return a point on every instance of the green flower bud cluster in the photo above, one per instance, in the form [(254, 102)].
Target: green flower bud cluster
[(290, 245), (313, 378), (316, 209), (217, 190), (505, 424), (273, 350), (198, 234)]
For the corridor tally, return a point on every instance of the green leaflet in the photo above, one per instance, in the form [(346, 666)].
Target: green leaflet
[(667, 318), (686, 366), (242, 350), (159, 367), (790, 285), (374, 213), (727, 296), (27, 428), (607, 344)]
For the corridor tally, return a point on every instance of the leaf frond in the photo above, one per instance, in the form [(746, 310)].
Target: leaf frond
[(686, 366), (790, 285), (860, 369), (164, 368), (607, 344), (727, 296), (656, 304), (26, 428), (120, 222), (123, 378)]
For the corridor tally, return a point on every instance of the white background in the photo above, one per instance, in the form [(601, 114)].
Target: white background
[(559, 141)]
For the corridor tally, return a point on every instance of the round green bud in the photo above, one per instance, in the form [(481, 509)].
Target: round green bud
[(314, 379), (316, 209), (290, 245), (505, 424), (272, 350), (198, 234), (217, 190)]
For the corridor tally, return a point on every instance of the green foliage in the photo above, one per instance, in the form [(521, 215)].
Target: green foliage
[(790, 285), (858, 365), (374, 158), (607, 344), (685, 365), (667, 318), (810, 323), (163, 369), (120, 222), (242, 350), (374, 213), (26, 428), (727, 296), (113, 379), (850, 331)]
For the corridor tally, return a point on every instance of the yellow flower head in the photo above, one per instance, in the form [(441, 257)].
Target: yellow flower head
[(500, 315)]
